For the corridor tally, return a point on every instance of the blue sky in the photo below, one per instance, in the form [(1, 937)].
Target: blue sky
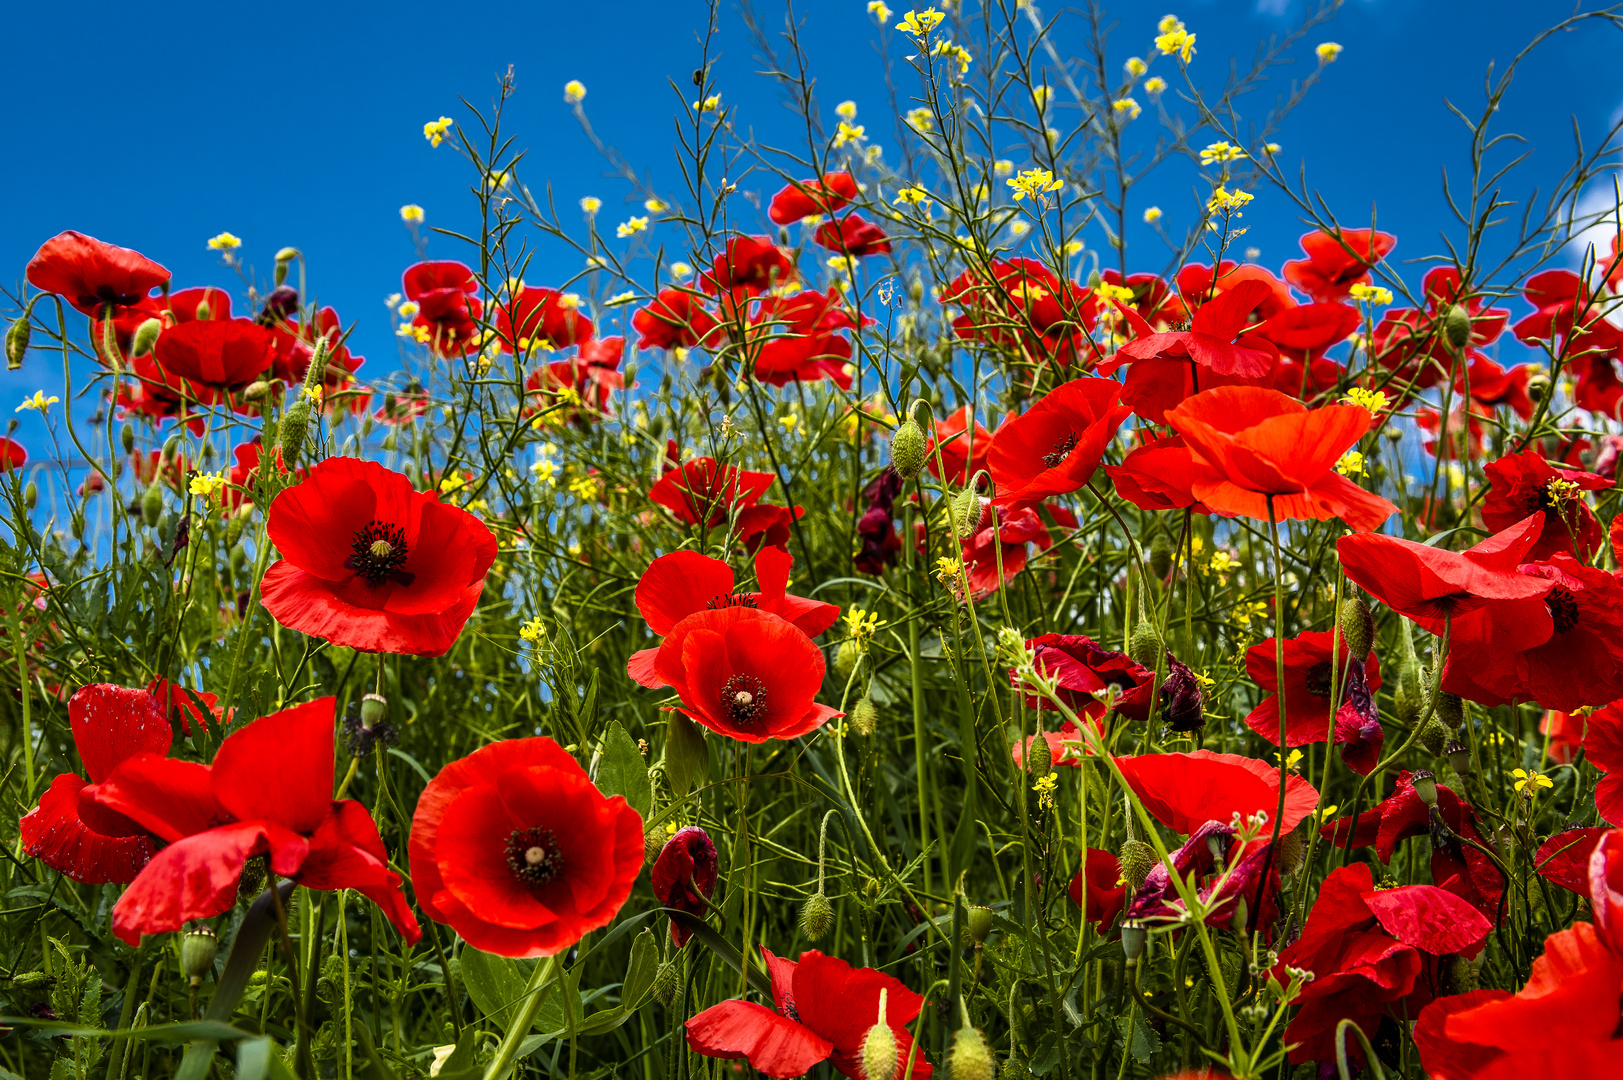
[(301, 124)]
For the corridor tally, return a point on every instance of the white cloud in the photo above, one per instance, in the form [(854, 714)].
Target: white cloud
[(1595, 221)]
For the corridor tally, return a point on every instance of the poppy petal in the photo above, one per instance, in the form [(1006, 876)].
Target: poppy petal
[(774, 1044), (676, 585), (113, 723), (54, 833), (279, 768)]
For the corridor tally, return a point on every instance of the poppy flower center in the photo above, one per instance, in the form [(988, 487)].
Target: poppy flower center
[(732, 599), (377, 553), (1563, 609), (1318, 679), (743, 698), (533, 855), (1061, 451)]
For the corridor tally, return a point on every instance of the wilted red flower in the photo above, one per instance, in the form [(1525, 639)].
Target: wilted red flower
[(1426, 583), (824, 1010), (516, 850), (1097, 889), (684, 876), (677, 319), (540, 319), (1183, 791), (963, 452), (686, 582), (69, 831), (1003, 539), (853, 235), (1525, 483), (1371, 949), (1257, 448), (1158, 475), (451, 319), (1053, 447), (91, 275), (704, 490), (215, 359), (1308, 691), (1081, 670), (752, 263), (1024, 306), (12, 455), (423, 278), (1335, 263), (370, 563), (877, 526), (807, 198), (745, 673), (268, 792)]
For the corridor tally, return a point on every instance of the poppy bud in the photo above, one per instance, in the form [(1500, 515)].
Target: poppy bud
[(1292, 851), (1457, 326), (1407, 695), (31, 495), (1183, 703), (1040, 757), (1459, 756), (283, 257), (1425, 786), (864, 717), (1242, 913), (31, 980), (1538, 385), (1160, 556), (197, 950), (256, 390), (879, 1047), (126, 438), (1450, 710), (907, 449), (1133, 936), (172, 446), (667, 982), (845, 659), (1137, 860), (1461, 976), (1434, 736), (17, 338), (978, 924), (1145, 646), (1357, 627), (290, 436), (686, 758), (817, 917), (252, 881), (970, 1058), (147, 333), (968, 511), (152, 504)]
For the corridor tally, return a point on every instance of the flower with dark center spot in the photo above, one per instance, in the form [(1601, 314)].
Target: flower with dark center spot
[(727, 600), (1563, 609), (378, 552), (534, 856), (744, 698), (1061, 451)]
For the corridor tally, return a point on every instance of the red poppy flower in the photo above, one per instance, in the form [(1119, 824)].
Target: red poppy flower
[(1210, 344), (752, 263), (1564, 858), (853, 235), (295, 348), (1371, 949), (268, 792), (798, 339), (1563, 650), (1443, 1058), (91, 275), (677, 319), (1196, 286), (806, 198), (451, 319), (371, 564), (12, 455), (1006, 542), (1458, 868), (824, 1010), (588, 379), (215, 359), (1097, 889), (540, 319), (684, 876), (1565, 307), (1426, 583), (1606, 889), (1302, 334), (684, 583), (146, 395), (1603, 748), (1521, 484), (1412, 341), (1335, 263), (426, 277), (69, 831), (1256, 443), (765, 525), (703, 490), (1064, 746), (745, 673), (516, 850), (1492, 386), (1156, 302), (1183, 791), (178, 705), (963, 452), (1053, 447), (1307, 688), (1082, 671), (1158, 475), (1025, 306)]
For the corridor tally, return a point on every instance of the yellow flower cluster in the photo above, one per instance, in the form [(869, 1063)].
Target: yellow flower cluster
[(1225, 201), (1351, 464), (225, 242), (1128, 106), (411, 214), (1033, 184), (920, 23), (631, 227), (434, 131), (848, 133), (574, 91), (1371, 294), (1221, 152), (1175, 39), (1372, 400)]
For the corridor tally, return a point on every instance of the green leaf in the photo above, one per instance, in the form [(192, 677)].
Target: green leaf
[(640, 972), (622, 770), (496, 983), (463, 1064), (1141, 1041), (253, 1058)]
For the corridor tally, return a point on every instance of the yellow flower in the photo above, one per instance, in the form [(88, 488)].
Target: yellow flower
[(1155, 85), (1152, 215), (574, 90), (920, 23), (878, 10), (1168, 24), (411, 214), (631, 227), (1033, 183), (1526, 778), (1119, 293), (1371, 294), (434, 131), (709, 104), (861, 625), (1174, 38), (39, 402), (1372, 400), (532, 631), (1136, 67), (1045, 787), (583, 487), (421, 334), (1220, 151), (408, 310), (621, 298), (1126, 105), (206, 485), (946, 569), (1073, 247), (1018, 228), (225, 242), (591, 204), (1293, 759), (1040, 95), (1226, 201), (1351, 464), (681, 270), (1003, 167), (913, 196), (919, 119), (848, 133), (1272, 148), (846, 110), (1327, 52), (655, 206)]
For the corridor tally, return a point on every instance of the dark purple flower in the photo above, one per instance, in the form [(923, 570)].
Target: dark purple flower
[(684, 876), (1183, 704), (877, 526)]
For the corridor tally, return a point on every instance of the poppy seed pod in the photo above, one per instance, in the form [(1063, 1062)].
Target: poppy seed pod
[(1457, 326), (970, 1059), (817, 917), (295, 426), (1459, 756), (1133, 936), (374, 708), (1145, 646), (864, 716), (1040, 758), (968, 511), (1357, 627), (1434, 736), (907, 449), (17, 338), (978, 924), (1137, 860), (879, 1047), (1450, 710), (1425, 786), (197, 950)]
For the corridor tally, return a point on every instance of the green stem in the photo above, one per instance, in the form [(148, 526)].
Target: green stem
[(519, 1029)]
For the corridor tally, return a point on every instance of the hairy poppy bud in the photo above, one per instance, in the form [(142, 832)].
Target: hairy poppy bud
[(197, 950), (1457, 326), (17, 338), (126, 438), (1434, 736), (1451, 711), (1040, 757), (1407, 695), (1145, 646), (295, 427), (1425, 786), (970, 1059), (1461, 976), (817, 917), (1292, 850), (256, 390), (686, 758), (907, 449), (845, 658), (1137, 860), (152, 504), (978, 925), (1160, 556), (864, 716), (879, 1047), (31, 495), (968, 511), (1133, 936), (1538, 385), (1357, 627), (1459, 756), (667, 981), (283, 257)]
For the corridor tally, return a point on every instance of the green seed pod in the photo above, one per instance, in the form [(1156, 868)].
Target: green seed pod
[(31, 495), (1434, 736), (667, 981), (879, 1054), (146, 335), (1457, 326), (978, 924), (970, 1059), (1040, 757), (816, 917), (967, 512), (294, 429), (374, 709), (17, 338), (197, 950), (907, 449), (1160, 556), (1459, 758), (1013, 1068), (126, 438), (152, 504), (1407, 695), (1145, 645), (255, 391), (1451, 711), (864, 716), (1425, 786), (1137, 860), (1357, 627), (845, 659), (687, 760)]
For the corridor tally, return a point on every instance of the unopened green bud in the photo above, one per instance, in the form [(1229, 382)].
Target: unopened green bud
[(1040, 756), (126, 438), (1357, 627), (879, 1052), (1137, 860), (978, 924), (667, 981), (295, 427), (1145, 645), (1160, 556), (146, 335), (1538, 385), (967, 511), (970, 1059), (864, 716), (1450, 710), (1461, 976), (30, 980), (907, 449), (17, 338), (1241, 918), (1457, 326), (197, 950), (817, 917), (31, 495), (152, 504), (256, 390), (845, 658), (687, 761), (1434, 736)]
